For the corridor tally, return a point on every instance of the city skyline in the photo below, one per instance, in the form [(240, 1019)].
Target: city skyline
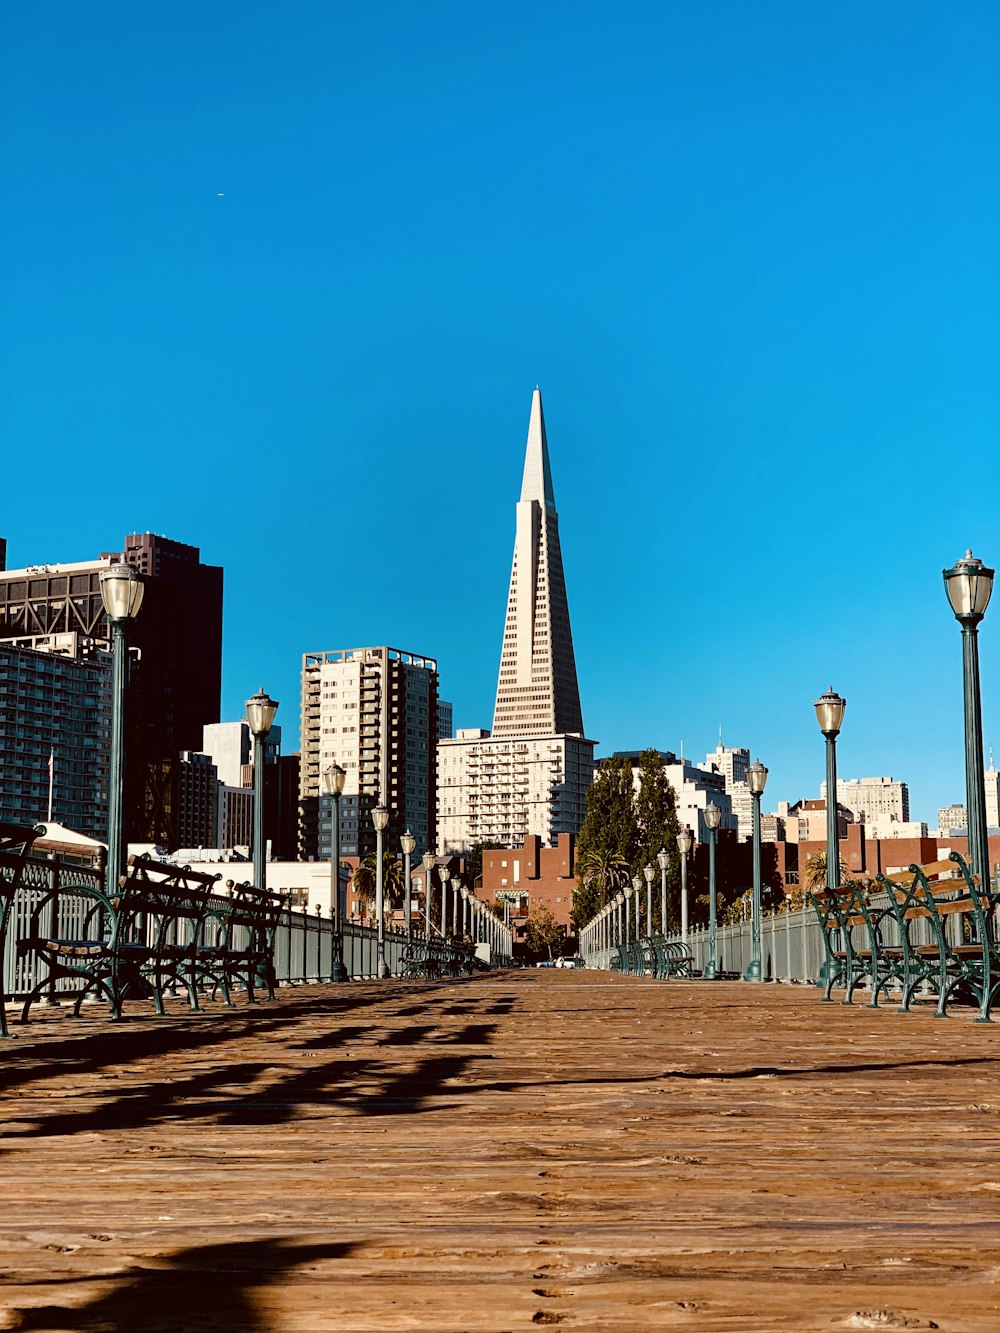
[(284, 304)]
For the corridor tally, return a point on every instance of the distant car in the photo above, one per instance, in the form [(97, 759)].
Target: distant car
[(575, 961), (548, 962)]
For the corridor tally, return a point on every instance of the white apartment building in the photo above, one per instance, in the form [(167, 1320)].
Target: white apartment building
[(870, 799), (502, 789), (732, 762), (952, 817)]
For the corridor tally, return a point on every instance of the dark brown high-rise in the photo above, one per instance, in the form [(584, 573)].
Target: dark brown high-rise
[(176, 672)]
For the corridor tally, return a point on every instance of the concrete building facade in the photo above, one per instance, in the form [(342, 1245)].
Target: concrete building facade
[(374, 711), (55, 720)]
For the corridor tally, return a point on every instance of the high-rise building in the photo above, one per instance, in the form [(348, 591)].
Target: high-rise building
[(55, 731), (732, 762), (531, 775), (537, 690), (445, 720), (175, 659), (952, 817), (873, 800), (374, 712), (197, 801)]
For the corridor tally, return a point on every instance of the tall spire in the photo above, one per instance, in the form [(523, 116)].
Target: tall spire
[(536, 484), (537, 692)]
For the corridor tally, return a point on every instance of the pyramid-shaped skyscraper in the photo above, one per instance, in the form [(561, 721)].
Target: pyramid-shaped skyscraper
[(537, 692), (530, 775)]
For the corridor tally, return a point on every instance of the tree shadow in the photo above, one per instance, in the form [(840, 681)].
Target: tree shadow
[(208, 1287)]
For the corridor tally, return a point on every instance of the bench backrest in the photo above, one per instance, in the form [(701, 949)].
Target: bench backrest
[(153, 893), (940, 889), (15, 845)]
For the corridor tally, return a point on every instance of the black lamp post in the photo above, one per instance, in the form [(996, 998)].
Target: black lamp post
[(663, 861), (684, 846), (969, 585), (713, 818), (380, 818), (408, 843), (121, 593), (428, 861), (334, 778), (260, 714), (830, 715), (756, 779)]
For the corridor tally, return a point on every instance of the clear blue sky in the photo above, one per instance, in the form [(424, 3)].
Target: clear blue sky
[(749, 251)]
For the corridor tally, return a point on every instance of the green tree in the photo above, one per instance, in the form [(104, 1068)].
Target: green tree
[(474, 859), (542, 933), (658, 826), (609, 834)]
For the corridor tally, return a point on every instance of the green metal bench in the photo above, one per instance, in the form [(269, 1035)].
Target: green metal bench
[(961, 956), (142, 941), (671, 959), (237, 948), (856, 951)]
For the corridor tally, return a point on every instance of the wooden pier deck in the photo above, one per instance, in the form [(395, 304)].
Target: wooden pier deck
[(536, 1148)]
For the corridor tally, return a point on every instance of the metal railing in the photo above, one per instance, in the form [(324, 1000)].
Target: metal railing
[(792, 948), (304, 942)]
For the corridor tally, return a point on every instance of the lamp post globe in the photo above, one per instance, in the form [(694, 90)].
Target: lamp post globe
[(969, 585), (334, 778), (380, 818), (756, 781), (713, 818), (261, 709), (408, 843), (122, 590)]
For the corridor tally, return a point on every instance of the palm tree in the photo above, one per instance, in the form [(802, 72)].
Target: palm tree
[(392, 881), (607, 870), (816, 871)]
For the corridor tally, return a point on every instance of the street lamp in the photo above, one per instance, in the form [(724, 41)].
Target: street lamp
[(756, 779), (456, 894), (445, 874), (713, 818), (684, 846), (969, 585), (830, 715), (260, 714), (627, 891), (380, 817), (619, 901), (650, 874), (121, 593), (466, 912), (663, 861), (637, 890), (428, 861), (408, 843), (334, 778)]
